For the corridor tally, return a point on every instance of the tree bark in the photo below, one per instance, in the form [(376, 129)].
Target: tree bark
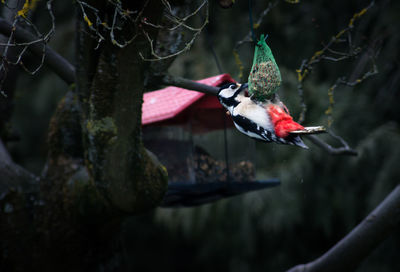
[(97, 171), (110, 99)]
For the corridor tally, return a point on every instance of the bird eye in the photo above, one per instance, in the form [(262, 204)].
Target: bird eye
[(233, 86)]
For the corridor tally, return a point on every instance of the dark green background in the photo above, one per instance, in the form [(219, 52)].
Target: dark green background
[(322, 197)]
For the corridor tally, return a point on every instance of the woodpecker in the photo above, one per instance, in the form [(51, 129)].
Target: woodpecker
[(266, 121)]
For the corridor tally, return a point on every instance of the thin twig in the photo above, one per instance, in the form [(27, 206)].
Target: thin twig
[(56, 62), (15, 41), (179, 22), (343, 150), (307, 65), (99, 27), (343, 81)]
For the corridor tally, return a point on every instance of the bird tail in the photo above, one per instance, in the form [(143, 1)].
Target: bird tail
[(296, 140)]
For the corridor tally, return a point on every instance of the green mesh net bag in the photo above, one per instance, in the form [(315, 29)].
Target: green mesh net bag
[(265, 77)]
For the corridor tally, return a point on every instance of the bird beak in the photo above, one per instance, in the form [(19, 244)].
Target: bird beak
[(244, 86)]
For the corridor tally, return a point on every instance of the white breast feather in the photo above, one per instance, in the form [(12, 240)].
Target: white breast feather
[(255, 112)]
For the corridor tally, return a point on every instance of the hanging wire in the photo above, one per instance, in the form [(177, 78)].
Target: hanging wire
[(226, 149), (219, 67), (226, 154), (211, 47), (253, 35)]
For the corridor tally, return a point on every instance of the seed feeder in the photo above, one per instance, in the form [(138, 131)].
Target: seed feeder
[(206, 158)]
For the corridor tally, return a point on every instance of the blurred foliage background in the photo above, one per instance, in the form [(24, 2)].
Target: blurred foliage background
[(322, 197)]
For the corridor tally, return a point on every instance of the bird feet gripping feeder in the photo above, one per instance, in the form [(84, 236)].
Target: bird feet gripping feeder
[(189, 132)]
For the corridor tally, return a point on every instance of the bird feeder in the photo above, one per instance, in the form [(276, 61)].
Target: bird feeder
[(206, 158)]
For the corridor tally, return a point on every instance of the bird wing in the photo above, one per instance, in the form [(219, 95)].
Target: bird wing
[(252, 129)]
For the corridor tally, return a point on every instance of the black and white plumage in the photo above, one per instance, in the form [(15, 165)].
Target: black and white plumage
[(250, 117)]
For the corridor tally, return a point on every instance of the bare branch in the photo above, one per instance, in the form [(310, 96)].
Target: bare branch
[(343, 150), (343, 81), (8, 75), (158, 58), (179, 22), (4, 155), (13, 176), (352, 249), (124, 21), (21, 15), (16, 178), (56, 62), (99, 27), (189, 84), (307, 65)]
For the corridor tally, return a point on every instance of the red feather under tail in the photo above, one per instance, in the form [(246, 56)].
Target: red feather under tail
[(283, 122)]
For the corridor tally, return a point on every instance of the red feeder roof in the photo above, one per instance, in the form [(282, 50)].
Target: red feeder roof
[(168, 103)]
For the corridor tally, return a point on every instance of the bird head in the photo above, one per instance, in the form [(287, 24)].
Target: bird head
[(228, 93)]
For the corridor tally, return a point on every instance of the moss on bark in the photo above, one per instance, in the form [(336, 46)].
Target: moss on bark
[(118, 163)]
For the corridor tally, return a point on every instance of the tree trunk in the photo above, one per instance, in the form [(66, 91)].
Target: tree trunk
[(111, 81), (97, 171)]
